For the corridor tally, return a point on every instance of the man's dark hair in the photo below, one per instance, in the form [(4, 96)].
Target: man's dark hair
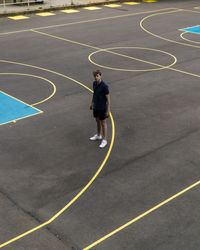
[(96, 72)]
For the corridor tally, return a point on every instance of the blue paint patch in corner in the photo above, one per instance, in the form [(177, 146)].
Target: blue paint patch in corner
[(12, 109), (194, 29)]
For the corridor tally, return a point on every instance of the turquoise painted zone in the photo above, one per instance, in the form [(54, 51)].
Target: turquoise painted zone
[(13, 109), (195, 29)]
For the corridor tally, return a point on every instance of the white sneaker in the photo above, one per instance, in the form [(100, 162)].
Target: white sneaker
[(96, 137), (103, 144)]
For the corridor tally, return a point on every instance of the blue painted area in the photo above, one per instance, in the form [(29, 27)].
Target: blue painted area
[(12, 109), (195, 29)]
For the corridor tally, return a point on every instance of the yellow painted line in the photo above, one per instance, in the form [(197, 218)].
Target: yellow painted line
[(197, 7), (70, 11), (92, 8), (92, 179), (141, 216), (131, 3), (45, 14), (188, 40), (86, 21), (39, 77), (20, 17), (184, 72), (160, 37), (14, 121), (193, 11), (64, 39), (160, 67), (149, 1), (112, 5)]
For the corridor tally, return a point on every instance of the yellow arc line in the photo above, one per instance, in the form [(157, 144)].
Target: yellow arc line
[(141, 216), (108, 50), (193, 11), (87, 185), (39, 77), (188, 40), (47, 70), (160, 37)]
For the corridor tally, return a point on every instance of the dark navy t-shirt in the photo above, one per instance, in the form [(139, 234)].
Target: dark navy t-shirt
[(99, 96)]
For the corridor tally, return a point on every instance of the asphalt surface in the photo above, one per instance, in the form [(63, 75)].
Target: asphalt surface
[(47, 160)]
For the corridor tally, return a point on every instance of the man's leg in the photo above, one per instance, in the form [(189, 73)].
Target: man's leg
[(98, 126), (104, 128)]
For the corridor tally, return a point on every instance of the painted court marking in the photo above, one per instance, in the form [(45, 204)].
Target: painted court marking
[(149, 1), (186, 39), (112, 5), (12, 109), (160, 37), (20, 17), (194, 29), (70, 11), (92, 8), (131, 3), (45, 14), (110, 50), (37, 77)]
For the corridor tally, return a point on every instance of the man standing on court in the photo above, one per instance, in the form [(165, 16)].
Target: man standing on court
[(101, 107)]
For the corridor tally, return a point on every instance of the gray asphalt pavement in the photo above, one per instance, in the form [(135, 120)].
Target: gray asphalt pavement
[(57, 182)]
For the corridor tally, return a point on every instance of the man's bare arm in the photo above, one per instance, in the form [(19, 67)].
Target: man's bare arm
[(108, 103)]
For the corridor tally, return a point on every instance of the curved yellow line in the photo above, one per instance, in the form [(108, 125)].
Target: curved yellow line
[(47, 70), (87, 185), (39, 77), (160, 37), (193, 11), (181, 35), (136, 59)]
